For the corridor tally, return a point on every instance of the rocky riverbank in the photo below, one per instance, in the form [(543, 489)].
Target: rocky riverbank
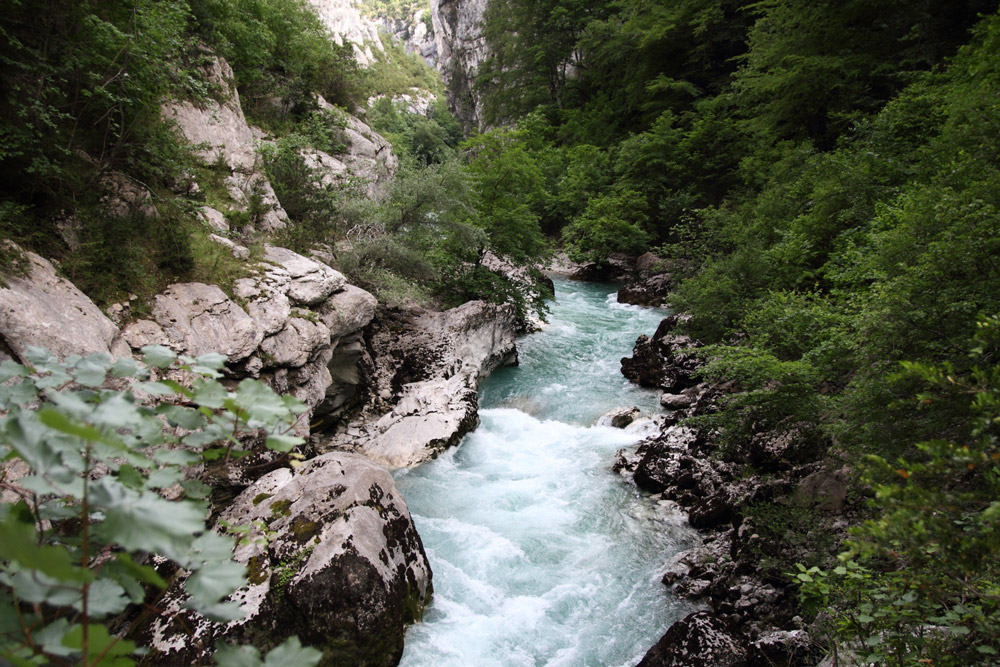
[(759, 504)]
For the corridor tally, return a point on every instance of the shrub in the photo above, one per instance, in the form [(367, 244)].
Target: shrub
[(107, 489)]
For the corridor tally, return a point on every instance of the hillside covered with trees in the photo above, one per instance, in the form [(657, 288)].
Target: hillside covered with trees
[(822, 183)]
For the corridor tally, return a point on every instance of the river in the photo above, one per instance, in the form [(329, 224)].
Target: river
[(541, 554)]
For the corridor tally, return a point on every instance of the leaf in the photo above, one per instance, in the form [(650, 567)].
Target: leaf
[(125, 367), (186, 418), (18, 543), (92, 370), (143, 573), (261, 403), (10, 369), (237, 656), (283, 443), (176, 457), (144, 521), (209, 394), (196, 489), (293, 654), (162, 478), (215, 581), (212, 360), (57, 420), (158, 356), (99, 642), (105, 597)]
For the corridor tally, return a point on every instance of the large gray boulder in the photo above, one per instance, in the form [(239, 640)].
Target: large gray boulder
[(333, 557), (45, 310), (297, 328), (195, 319), (310, 282)]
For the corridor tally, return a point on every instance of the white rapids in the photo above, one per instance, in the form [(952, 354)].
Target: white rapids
[(541, 554)]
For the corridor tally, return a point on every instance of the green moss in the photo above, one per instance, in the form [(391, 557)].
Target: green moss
[(260, 497), (280, 508), (304, 530), (257, 570), (286, 571)]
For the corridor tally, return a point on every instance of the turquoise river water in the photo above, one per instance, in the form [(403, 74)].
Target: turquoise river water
[(541, 554)]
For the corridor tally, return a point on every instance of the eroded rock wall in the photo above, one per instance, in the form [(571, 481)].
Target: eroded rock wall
[(461, 49), (425, 371)]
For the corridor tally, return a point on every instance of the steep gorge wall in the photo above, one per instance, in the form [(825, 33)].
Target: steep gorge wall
[(461, 50)]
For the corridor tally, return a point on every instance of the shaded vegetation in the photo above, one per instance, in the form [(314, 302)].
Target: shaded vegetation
[(822, 182)]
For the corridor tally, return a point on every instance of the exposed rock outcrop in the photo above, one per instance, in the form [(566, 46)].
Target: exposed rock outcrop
[(461, 49), (425, 372), (649, 283), (733, 496), (416, 33), (333, 557), (299, 320), (43, 309), (346, 25)]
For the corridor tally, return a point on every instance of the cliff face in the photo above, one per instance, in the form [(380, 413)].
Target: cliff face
[(461, 49), (346, 24)]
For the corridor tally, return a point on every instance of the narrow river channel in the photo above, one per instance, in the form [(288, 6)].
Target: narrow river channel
[(541, 554)]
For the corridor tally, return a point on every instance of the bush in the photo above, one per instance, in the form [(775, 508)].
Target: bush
[(107, 492)]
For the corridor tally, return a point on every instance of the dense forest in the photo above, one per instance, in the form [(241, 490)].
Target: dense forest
[(821, 180)]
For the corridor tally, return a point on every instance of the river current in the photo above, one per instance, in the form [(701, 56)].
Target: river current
[(541, 554)]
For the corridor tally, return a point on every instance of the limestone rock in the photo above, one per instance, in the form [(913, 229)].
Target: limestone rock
[(341, 566), (219, 131), (311, 282), (461, 49), (346, 24), (699, 640), (45, 310), (430, 417), (295, 344), (238, 251), (198, 319), (426, 368), (347, 311), (266, 301), (214, 219)]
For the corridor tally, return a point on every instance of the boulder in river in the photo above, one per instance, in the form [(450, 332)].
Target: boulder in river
[(332, 557)]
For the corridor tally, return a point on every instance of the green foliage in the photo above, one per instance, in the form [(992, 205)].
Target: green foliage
[(610, 224), (507, 184), (278, 49), (396, 10), (920, 581), (93, 503), (417, 139), (397, 71)]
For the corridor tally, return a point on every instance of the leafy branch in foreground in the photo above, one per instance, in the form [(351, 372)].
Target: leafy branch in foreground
[(108, 504), (921, 583)]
